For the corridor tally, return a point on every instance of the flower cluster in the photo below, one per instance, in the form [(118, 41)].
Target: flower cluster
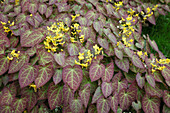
[(6, 26), (86, 57), (74, 16), (118, 5), (13, 54), (53, 41), (75, 33), (33, 86), (159, 64)]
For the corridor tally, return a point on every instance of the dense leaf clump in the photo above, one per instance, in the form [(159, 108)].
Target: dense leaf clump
[(81, 56)]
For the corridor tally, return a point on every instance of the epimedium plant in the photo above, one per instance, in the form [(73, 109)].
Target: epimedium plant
[(81, 56)]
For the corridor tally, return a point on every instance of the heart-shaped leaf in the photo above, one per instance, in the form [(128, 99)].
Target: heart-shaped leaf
[(6, 109), (60, 58), (42, 8), (106, 89), (140, 80), (150, 79), (137, 62), (98, 94), (4, 64), (44, 75), (96, 71), (49, 11), (72, 49), (75, 105), (72, 76), (103, 42), (151, 104), (114, 102), (57, 76), (166, 98), (67, 94), (33, 8), (118, 53), (103, 105), (27, 75), (17, 64), (109, 70), (85, 94), (19, 104), (7, 97), (122, 64), (55, 95), (92, 109)]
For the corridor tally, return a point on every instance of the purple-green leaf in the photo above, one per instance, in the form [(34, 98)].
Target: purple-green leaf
[(98, 94), (103, 105), (150, 79), (103, 42), (19, 104), (6, 109), (72, 76), (85, 94), (137, 62), (27, 75), (17, 64), (55, 95), (96, 71), (114, 102), (44, 75), (166, 97), (151, 104), (49, 11), (92, 109), (7, 97), (122, 64), (33, 8), (4, 64), (4, 40), (106, 89), (57, 76), (140, 80), (109, 70), (60, 58), (67, 94), (76, 105), (42, 8), (72, 49), (118, 53), (44, 57)]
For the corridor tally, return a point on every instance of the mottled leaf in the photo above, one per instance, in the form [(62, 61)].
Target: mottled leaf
[(57, 76), (75, 105), (55, 95), (126, 97), (137, 62), (4, 40), (150, 79), (122, 64), (6, 109), (33, 8), (98, 94), (114, 102), (92, 109), (7, 97), (166, 98), (31, 38), (103, 105), (118, 53), (72, 76), (42, 8), (60, 58), (19, 104), (4, 64), (72, 49), (49, 11), (109, 70), (96, 71), (106, 89), (44, 57), (17, 64), (140, 80), (85, 94), (151, 104), (27, 75), (166, 73), (103, 42), (67, 94), (44, 75)]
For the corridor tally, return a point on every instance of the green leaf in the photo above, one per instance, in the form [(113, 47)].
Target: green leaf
[(60, 58), (6, 109), (137, 62)]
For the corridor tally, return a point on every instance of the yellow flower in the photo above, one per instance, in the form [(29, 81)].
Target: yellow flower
[(30, 14), (33, 86), (9, 58), (153, 70), (140, 53)]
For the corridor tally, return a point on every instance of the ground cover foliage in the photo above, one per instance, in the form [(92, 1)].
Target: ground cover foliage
[(81, 56)]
